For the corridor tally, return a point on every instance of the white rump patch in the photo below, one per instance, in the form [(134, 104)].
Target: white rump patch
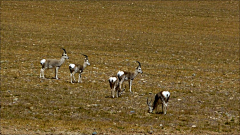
[(71, 65), (113, 79), (120, 73), (166, 94), (42, 61)]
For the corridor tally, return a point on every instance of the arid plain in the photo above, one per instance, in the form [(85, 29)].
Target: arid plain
[(190, 48)]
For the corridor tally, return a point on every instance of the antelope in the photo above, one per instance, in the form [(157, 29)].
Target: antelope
[(129, 76), (77, 68), (53, 63), (114, 85), (160, 98)]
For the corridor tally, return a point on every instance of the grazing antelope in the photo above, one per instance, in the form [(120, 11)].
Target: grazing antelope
[(114, 85), (77, 68), (129, 76), (160, 98), (53, 63)]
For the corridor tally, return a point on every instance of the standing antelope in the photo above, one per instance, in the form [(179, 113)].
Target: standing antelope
[(53, 63), (114, 85), (129, 76), (77, 68), (160, 98)]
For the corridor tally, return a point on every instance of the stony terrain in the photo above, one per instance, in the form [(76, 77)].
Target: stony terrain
[(190, 48)]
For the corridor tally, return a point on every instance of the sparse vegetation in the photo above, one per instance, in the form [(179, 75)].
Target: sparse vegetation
[(189, 48)]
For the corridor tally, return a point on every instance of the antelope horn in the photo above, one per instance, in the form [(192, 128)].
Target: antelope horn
[(148, 103), (139, 63), (64, 50), (85, 55)]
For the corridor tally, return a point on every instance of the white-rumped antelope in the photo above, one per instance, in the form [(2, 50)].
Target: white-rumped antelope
[(53, 63), (129, 76), (78, 68), (160, 98), (114, 85)]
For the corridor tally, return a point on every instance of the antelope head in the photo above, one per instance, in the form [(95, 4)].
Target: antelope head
[(86, 59), (139, 69), (64, 55)]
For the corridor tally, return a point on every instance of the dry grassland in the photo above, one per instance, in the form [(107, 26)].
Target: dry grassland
[(190, 48)]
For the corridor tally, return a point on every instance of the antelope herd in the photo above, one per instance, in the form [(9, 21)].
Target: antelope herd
[(115, 81)]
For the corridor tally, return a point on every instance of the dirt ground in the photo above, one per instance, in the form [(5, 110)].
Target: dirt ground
[(189, 48)]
